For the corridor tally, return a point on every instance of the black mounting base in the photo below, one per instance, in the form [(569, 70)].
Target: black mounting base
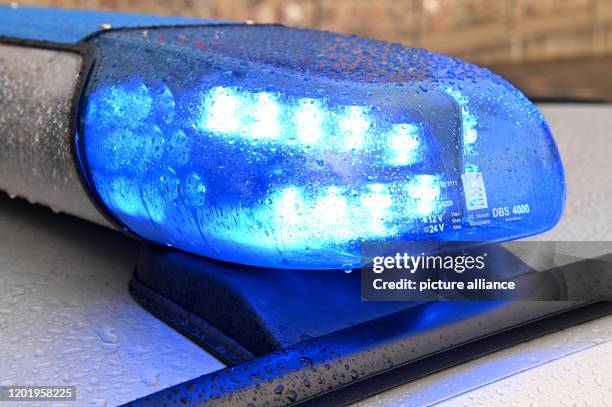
[(240, 312)]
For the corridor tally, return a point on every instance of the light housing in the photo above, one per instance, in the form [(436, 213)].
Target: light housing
[(280, 147)]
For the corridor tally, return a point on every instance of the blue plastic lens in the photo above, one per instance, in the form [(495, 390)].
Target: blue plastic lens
[(279, 147)]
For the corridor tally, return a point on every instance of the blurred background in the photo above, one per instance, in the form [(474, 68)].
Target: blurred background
[(553, 49)]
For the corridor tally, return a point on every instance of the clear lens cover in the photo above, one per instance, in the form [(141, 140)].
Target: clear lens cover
[(279, 147)]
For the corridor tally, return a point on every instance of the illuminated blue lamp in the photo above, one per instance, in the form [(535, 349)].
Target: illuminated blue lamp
[(279, 147)]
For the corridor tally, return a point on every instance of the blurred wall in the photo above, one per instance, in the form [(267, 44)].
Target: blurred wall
[(484, 31)]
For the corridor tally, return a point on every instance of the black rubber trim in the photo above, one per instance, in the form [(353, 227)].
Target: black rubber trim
[(456, 356), (269, 380)]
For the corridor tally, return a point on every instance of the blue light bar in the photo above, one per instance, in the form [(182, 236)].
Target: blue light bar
[(280, 147)]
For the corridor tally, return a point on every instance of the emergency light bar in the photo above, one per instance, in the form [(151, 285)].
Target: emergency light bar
[(282, 147)]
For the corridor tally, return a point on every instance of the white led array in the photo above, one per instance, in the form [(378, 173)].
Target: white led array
[(229, 111)]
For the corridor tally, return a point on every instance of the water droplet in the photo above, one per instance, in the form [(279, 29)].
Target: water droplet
[(291, 395), (107, 335)]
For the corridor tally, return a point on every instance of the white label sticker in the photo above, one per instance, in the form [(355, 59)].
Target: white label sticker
[(475, 194)]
